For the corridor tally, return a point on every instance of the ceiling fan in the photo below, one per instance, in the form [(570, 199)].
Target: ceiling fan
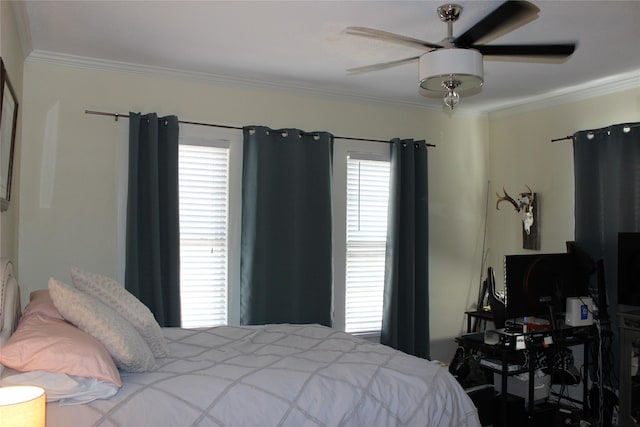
[(455, 64)]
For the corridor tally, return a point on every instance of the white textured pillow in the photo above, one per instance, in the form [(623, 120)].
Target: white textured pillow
[(118, 298), (129, 350)]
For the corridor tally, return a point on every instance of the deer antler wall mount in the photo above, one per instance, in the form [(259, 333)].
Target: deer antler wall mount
[(527, 205)]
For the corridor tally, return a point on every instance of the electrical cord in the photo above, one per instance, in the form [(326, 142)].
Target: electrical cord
[(602, 377), (600, 387)]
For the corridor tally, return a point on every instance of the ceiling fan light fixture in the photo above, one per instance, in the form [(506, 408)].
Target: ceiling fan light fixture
[(440, 67), (451, 97)]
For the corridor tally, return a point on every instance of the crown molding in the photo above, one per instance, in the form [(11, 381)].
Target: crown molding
[(595, 88), (118, 66), (23, 29), (580, 92)]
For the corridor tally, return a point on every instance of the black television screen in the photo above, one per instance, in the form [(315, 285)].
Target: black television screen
[(537, 285), (629, 269)]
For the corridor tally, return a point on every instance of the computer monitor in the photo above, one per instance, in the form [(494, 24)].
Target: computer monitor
[(539, 284), (629, 269)]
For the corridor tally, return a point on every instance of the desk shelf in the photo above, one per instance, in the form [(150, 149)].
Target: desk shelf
[(474, 342)]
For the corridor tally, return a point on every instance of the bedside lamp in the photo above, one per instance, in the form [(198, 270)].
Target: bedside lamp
[(22, 406)]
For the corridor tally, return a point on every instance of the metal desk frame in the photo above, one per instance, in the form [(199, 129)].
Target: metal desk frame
[(475, 341)]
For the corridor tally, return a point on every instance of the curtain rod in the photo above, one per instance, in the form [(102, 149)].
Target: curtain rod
[(126, 116), (626, 129), (562, 139)]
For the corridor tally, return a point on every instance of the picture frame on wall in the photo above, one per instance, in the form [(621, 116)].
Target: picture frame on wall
[(8, 122)]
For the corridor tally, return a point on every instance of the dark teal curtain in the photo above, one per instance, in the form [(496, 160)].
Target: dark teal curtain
[(152, 271), (286, 258), (607, 194), (607, 201), (405, 321)]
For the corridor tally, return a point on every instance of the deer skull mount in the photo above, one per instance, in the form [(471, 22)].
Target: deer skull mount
[(526, 205)]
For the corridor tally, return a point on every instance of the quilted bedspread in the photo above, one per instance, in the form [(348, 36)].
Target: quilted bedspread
[(278, 375)]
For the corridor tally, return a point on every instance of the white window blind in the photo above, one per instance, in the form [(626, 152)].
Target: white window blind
[(367, 205), (204, 206)]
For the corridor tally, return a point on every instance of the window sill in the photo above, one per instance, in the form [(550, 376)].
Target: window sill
[(369, 336)]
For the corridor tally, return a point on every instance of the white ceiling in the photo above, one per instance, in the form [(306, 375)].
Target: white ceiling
[(302, 45)]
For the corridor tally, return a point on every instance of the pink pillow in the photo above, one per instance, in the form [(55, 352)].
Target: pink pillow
[(40, 302), (54, 345)]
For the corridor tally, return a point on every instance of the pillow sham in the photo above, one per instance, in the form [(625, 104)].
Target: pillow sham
[(126, 304), (40, 302), (50, 344), (128, 349), (63, 388)]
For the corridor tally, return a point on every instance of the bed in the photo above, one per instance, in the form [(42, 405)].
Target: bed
[(269, 375)]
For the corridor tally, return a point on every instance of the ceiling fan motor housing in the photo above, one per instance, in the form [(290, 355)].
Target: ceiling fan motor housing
[(463, 66)]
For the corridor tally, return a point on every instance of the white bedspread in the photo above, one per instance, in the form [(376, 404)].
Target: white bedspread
[(278, 375)]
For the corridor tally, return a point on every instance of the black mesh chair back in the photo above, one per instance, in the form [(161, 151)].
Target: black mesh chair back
[(495, 302)]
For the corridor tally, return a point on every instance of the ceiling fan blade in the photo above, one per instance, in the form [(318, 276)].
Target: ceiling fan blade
[(507, 17), (556, 51), (391, 37), (382, 65)]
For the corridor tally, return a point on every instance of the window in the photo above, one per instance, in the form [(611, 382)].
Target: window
[(204, 212), (210, 182), (366, 236)]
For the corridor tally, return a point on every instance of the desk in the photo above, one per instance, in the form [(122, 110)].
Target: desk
[(565, 337)]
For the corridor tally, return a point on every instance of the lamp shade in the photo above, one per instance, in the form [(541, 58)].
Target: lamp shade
[(462, 65), (22, 406)]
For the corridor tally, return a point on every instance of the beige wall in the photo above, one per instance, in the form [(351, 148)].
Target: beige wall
[(521, 153), (458, 168), (12, 57), (70, 163)]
